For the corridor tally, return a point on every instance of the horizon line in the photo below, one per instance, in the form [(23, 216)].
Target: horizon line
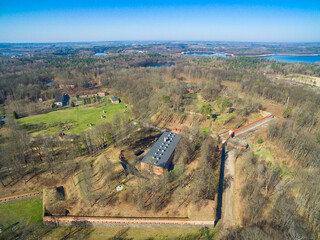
[(106, 41)]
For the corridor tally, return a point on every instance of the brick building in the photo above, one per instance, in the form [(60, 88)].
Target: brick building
[(161, 154)]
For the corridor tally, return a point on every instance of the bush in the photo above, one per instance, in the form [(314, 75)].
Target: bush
[(206, 109), (260, 141), (226, 103), (287, 112), (15, 115)]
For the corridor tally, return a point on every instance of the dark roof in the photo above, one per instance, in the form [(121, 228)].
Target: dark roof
[(114, 99), (63, 98), (138, 152), (59, 97), (162, 150)]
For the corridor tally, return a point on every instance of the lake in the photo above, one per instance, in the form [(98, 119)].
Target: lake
[(12, 54), (160, 65), (101, 54), (202, 54), (291, 58)]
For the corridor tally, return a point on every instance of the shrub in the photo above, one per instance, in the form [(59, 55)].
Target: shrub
[(287, 112), (260, 141), (15, 115)]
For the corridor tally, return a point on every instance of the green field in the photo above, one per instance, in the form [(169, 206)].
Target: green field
[(75, 119), (30, 210)]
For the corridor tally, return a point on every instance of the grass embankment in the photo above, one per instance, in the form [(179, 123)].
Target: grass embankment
[(135, 233), (77, 119), (30, 212), (11, 213)]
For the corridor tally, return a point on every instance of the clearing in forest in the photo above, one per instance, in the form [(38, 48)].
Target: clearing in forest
[(71, 120)]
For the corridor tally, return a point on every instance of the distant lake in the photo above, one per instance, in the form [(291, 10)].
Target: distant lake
[(200, 54), (160, 65), (291, 58), (12, 54), (101, 54)]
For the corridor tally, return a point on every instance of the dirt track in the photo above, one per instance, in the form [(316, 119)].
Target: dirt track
[(124, 222), (20, 197), (253, 126), (227, 218)]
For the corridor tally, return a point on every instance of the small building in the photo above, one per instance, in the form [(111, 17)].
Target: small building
[(102, 94), (161, 154), (115, 100), (192, 88), (138, 152), (62, 85), (87, 95), (62, 99), (50, 84)]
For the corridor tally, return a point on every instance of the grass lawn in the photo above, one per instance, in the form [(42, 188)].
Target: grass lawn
[(13, 212), (205, 130), (268, 155), (77, 118)]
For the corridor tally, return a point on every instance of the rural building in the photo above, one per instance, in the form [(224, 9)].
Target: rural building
[(102, 93), (115, 100), (62, 99), (87, 95), (72, 86), (50, 84), (161, 154), (192, 88)]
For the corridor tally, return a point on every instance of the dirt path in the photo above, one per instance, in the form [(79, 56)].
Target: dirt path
[(124, 222), (20, 197), (227, 218)]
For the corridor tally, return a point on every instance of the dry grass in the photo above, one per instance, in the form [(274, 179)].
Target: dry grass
[(30, 184), (309, 80), (272, 107), (78, 203), (123, 233)]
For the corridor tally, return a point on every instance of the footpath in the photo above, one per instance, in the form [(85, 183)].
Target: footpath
[(20, 197)]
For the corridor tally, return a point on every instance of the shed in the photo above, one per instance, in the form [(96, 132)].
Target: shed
[(115, 100)]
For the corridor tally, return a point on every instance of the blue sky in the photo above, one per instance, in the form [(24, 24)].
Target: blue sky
[(97, 20)]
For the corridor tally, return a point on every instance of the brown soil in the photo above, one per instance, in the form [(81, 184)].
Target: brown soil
[(121, 205), (30, 184), (174, 120), (272, 107)]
